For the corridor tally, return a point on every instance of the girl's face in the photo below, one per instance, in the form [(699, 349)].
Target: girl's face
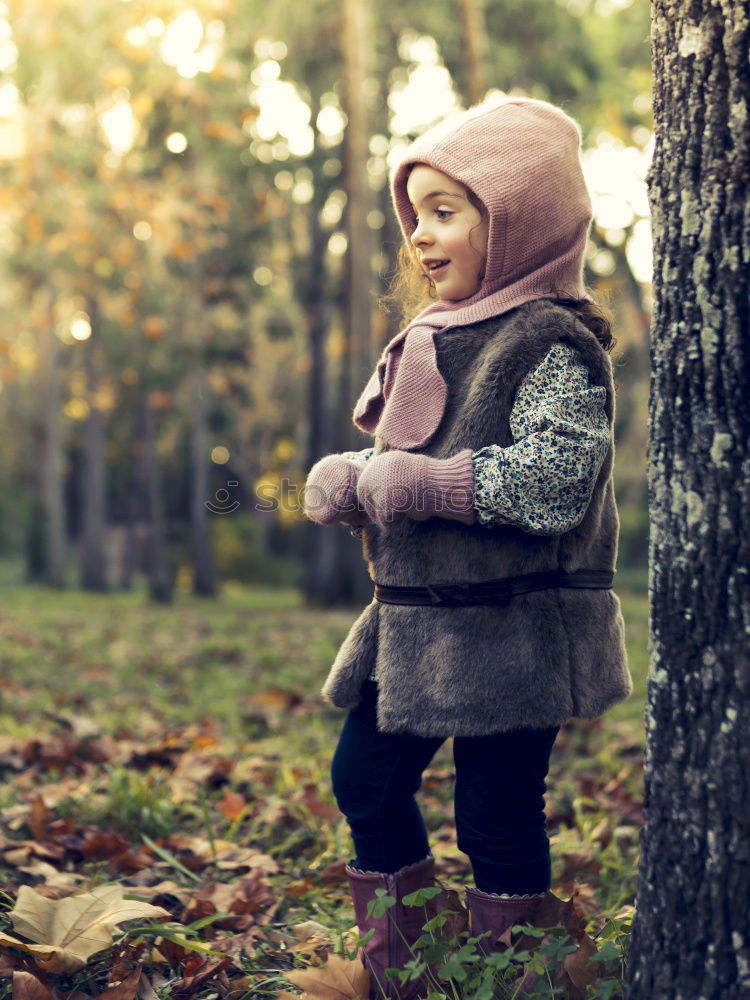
[(450, 232)]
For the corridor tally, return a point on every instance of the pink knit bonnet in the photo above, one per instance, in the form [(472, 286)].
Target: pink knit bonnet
[(521, 157)]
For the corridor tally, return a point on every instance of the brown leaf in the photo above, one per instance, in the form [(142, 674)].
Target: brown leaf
[(99, 845), (62, 753), (26, 986), (581, 864), (162, 893), (274, 700), (299, 887), (340, 979), (20, 852), (334, 873), (584, 898), (312, 938), (235, 945), (456, 922), (309, 796), (173, 952), (39, 818), (198, 971), (50, 877), (232, 805), (192, 852), (123, 990), (241, 898), (582, 972), (235, 857), (195, 769), (127, 957)]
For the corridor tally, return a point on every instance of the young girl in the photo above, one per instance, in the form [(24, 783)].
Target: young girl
[(488, 521)]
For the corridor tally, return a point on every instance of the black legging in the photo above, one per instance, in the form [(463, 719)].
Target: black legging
[(499, 798)]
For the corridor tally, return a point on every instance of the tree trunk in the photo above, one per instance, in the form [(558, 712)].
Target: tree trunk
[(357, 292), (136, 508), (320, 583), (159, 576), (204, 577), (93, 493), (52, 459), (691, 934), (341, 575), (474, 45)]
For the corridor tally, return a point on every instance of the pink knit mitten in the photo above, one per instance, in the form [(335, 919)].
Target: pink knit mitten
[(330, 493), (399, 484)]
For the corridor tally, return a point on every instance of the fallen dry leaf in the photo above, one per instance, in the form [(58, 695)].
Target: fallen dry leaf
[(126, 957), (20, 852), (198, 971), (582, 972), (52, 878), (340, 979), (124, 990), (235, 945), (232, 805), (236, 857), (26, 986), (312, 938), (241, 899), (39, 818), (67, 932)]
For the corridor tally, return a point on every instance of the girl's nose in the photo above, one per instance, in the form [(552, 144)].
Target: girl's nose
[(419, 235)]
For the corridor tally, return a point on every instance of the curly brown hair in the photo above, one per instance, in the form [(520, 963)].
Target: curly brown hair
[(410, 289)]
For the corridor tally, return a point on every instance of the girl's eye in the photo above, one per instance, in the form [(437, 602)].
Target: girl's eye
[(442, 214)]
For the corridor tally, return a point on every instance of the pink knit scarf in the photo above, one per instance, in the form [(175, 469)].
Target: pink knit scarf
[(521, 158)]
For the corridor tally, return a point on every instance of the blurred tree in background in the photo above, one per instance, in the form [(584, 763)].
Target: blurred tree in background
[(196, 230)]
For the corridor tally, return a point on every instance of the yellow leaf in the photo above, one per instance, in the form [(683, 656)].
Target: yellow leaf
[(340, 979), (66, 932), (44, 955)]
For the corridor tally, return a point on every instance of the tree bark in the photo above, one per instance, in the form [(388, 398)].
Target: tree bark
[(94, 486), (691, 933), (52, 463), (204, 576), (135, 511), (474, 44), (357, 291), (342, 566), (320, 583), (159, 575)]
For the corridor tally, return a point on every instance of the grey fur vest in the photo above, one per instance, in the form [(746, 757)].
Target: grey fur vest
[(547, 655)]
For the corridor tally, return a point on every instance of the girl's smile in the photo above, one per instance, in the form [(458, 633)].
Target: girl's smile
[(450, 234)]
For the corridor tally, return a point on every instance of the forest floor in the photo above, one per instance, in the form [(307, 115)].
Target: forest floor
[(180, 755)]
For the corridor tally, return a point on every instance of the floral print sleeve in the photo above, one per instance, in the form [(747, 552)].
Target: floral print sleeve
[(543, 482), (363, 456)]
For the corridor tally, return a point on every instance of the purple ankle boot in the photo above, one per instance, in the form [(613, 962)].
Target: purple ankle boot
[(495, 913), (386, 949)]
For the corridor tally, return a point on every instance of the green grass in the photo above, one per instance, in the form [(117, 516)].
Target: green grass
[(135, 665), (238, 679)]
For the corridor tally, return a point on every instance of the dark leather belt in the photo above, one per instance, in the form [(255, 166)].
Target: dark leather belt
[(459, 595)]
